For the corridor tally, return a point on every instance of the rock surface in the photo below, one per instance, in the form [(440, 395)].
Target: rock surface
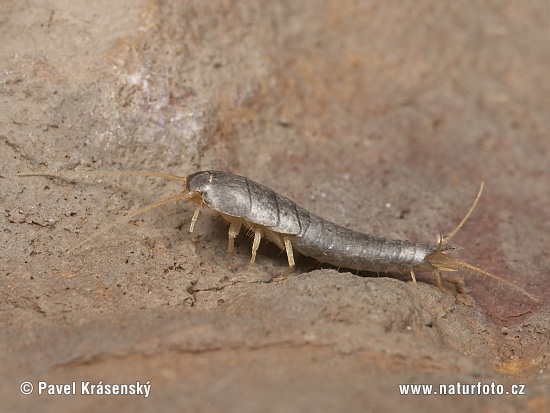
[(381, 116)]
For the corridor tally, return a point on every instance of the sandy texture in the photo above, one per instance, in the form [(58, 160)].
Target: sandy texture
[(382, 116)]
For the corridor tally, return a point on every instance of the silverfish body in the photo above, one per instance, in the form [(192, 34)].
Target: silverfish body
[(261, 207), (241, 201)]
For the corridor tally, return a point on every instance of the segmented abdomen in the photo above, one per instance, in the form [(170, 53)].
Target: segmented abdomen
[(343, 247)]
